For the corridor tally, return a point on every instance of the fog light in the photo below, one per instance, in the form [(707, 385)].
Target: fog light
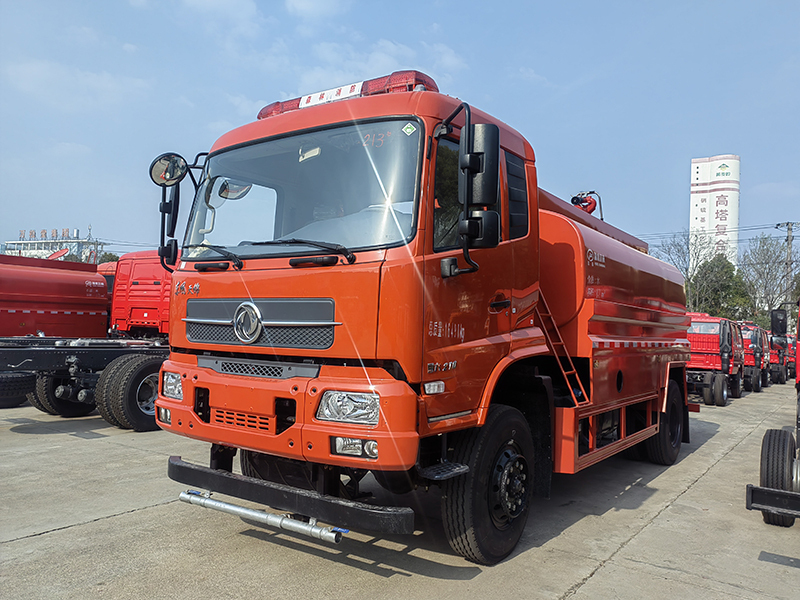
[(164, 415), (350, 446), (434, 387), (371, 448)]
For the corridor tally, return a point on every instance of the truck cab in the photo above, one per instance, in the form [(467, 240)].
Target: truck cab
[(753, 339), (716, 367)]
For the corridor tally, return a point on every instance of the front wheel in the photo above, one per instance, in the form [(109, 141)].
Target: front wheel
[(777, 464), (485, 510), (663, 448)]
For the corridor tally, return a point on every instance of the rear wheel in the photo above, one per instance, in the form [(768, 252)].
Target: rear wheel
[(708, 391), (664, 447), (720, 390), (736, 385), (46, 395), (105, 385), (485, 510), (777, 462), (134, 392)]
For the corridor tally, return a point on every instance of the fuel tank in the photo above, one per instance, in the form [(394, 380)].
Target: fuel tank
[(62, 299)]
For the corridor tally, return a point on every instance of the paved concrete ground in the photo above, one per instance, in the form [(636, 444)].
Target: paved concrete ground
[(87, 511)]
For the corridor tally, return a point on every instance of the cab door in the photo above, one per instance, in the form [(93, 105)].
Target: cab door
[(466, 317)]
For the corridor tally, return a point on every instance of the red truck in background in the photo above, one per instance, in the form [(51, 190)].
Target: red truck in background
[(54, 317), (140, 307), (717, 362), (373, 282), (791, 357), (756, 356)]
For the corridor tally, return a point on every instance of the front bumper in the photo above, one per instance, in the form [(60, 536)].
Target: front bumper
[(241, 412), (340, 512)]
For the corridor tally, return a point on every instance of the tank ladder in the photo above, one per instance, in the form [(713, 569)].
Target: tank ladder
[(556, 345)]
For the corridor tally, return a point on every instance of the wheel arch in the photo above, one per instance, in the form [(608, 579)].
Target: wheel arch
[(525, 385)]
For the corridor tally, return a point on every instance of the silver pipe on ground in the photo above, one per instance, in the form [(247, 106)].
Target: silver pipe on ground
[(326, 534)]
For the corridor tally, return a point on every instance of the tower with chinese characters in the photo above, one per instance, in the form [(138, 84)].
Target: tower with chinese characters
[(714, 209)]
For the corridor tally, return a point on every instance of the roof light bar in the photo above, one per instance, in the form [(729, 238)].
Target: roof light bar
[(399, 81)]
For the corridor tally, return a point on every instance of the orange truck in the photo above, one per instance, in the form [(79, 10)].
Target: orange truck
[(372, 282)]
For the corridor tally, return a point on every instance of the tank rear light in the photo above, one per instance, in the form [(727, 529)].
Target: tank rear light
[(399, 81)]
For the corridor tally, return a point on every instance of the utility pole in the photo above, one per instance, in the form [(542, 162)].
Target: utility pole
[(789, 271)]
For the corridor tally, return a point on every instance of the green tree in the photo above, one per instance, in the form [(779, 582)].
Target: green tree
[(108, 257), (720, 290), (72, 258)]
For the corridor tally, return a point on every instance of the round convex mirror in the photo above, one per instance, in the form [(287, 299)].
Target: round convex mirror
[(168, 169)]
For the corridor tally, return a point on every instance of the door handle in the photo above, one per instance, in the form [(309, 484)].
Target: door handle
[(500, 304)]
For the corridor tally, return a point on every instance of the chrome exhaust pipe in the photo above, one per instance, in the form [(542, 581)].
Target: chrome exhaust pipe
[(326, 534)]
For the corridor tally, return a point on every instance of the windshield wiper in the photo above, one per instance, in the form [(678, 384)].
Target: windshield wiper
[(338, 248), (237, 262)]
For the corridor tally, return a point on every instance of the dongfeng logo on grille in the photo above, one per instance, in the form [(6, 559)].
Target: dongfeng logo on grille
[(247, 322)]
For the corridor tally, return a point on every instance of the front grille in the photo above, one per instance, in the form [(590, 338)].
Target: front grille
[(237, 419), (251, 369), (317, 337)]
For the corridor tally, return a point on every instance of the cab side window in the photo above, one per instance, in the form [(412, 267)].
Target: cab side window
[(447, 208)]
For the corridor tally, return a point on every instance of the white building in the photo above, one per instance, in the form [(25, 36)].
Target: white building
[(714, 210)]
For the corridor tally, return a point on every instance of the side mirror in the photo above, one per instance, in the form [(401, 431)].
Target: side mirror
[(778, 321), (482, 229), (170, 209), (168, 169), (169, 252), (479, 165)]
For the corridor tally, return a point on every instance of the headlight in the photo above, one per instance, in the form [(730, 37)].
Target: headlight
[(349, 407), (171, 385)]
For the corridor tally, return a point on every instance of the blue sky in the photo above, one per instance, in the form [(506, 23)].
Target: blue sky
[(616, 97)]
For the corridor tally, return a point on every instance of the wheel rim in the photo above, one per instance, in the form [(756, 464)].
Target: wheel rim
[(147, 393), (508, 491)]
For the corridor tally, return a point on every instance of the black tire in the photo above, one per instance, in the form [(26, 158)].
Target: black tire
[(757, 382), (782, 375), (396, 482), (11, 401), (134, 391), (708, 392), (105, 385), (748, 383), (14, 384), (736, 386), (46, 395), (485, 510), (766, 380), (773, 377), (720, 390), (34, 400), (777, 458), (664, 447)]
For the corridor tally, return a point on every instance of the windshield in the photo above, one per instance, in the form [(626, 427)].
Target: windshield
[(354, 186), (704, 328)]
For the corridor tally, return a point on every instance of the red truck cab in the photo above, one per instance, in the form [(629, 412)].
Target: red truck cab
[(717, 360), (754, 361)]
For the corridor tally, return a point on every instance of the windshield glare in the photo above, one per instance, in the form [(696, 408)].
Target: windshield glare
[(354, 185)]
